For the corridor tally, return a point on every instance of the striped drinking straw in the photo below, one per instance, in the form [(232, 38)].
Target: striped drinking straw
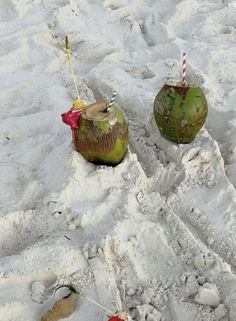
[(111, 101), (184, 69)]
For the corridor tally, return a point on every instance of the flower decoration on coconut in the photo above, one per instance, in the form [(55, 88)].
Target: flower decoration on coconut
[(99, 130), (180, 109)]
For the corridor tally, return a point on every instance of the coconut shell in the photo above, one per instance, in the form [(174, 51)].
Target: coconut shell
[(180, 112), (102, 136), (62, 308)]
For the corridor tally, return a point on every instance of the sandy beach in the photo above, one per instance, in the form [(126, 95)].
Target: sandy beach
[(155, 235)]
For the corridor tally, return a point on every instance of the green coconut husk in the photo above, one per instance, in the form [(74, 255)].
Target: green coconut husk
[(102, 136), (180, 111)]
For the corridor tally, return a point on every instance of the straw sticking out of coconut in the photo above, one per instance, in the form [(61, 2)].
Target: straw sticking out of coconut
[(184, 69), (111, 101)]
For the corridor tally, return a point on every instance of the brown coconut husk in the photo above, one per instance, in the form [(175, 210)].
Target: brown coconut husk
[(62, 308), (95, 140), (99, 142)]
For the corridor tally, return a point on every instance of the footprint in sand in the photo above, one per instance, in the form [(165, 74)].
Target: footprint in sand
[(141, 72), (12, 180), (8, 11), (8, 46), (20, 230)]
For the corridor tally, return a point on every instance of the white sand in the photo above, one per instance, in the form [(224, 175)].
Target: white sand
[(151, 234)]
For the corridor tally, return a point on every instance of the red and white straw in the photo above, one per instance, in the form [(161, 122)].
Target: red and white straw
[(184, 70)]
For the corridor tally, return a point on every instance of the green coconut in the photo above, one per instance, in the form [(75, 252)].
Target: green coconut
[(102, 136), (180, 111)]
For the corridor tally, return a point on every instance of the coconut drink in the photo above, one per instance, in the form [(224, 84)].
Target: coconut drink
[(99, 130), (102, 134), (180, 109)]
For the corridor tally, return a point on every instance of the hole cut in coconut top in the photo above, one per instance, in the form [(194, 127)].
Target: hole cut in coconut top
[(178, 83), (97, 111)]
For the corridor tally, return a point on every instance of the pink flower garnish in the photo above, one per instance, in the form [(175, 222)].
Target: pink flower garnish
[(115, 318), (71, 118)]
